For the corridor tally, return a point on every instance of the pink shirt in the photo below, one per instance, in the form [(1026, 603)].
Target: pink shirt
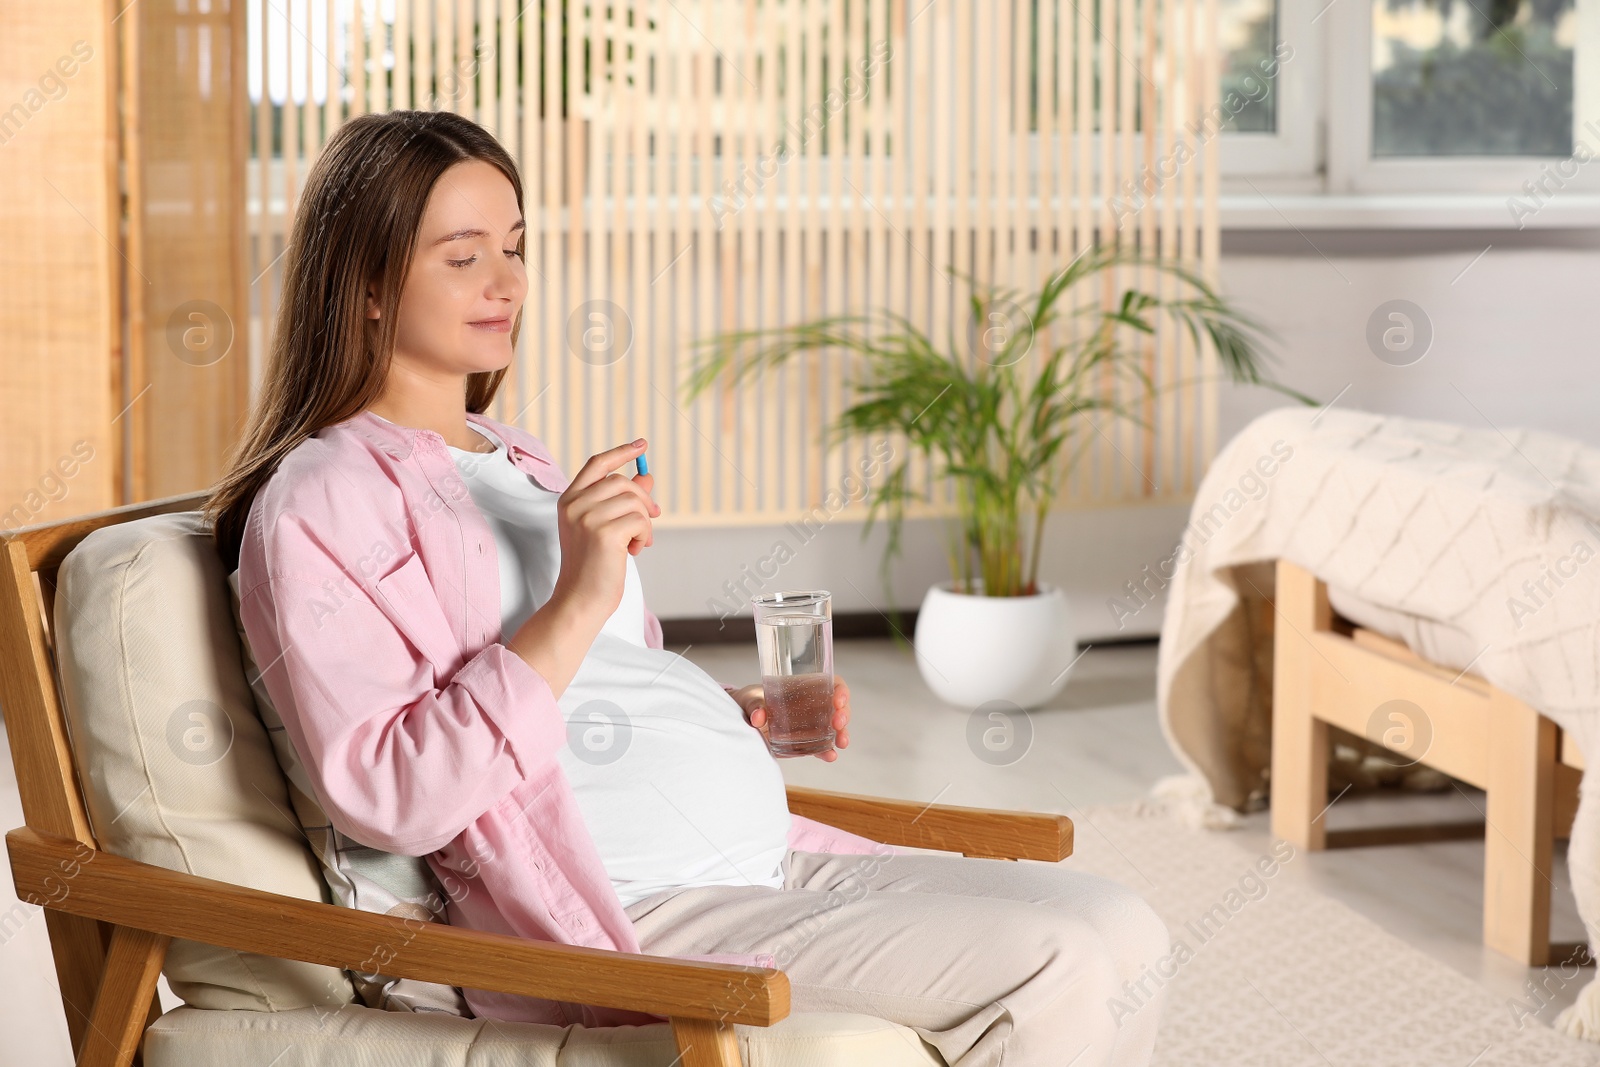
[(369, 585)]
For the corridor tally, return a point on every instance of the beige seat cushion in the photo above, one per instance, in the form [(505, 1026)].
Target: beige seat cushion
[(175, 766), (359, 1036)]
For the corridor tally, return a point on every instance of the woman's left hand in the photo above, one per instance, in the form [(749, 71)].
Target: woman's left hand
[(755, 713)]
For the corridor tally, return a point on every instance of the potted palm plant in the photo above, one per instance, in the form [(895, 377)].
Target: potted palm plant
[(1005, 435)]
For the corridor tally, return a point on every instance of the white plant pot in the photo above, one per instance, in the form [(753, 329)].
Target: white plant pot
[(972, 648)]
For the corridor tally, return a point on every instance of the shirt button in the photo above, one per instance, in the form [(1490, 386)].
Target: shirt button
[(480, 548)]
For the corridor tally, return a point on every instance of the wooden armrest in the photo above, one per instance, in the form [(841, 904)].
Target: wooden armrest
[(974, 831), (65, 875)]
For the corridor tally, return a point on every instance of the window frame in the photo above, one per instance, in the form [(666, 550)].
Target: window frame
[(1294, 150), (1329, 103), (1351, 167)]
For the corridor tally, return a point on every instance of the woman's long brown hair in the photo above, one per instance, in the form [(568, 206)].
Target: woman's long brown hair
[(356, 223)]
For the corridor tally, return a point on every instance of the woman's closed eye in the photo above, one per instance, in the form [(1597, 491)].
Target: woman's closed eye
[(470, 260)]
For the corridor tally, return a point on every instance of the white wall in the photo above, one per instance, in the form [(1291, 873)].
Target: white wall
[(1088, 553), (1514, 336), (1513, 345)]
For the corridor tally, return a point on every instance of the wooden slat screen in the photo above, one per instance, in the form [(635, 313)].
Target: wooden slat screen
[(185, 160), (1001, 137), (61, 306)]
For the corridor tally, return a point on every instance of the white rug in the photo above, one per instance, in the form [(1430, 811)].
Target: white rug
[(1282, 976)]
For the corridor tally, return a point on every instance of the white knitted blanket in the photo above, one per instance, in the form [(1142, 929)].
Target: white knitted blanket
[(1492, 534)]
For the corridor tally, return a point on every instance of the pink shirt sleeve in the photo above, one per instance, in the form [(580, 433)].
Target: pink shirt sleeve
[(652, 630), (401, 764)]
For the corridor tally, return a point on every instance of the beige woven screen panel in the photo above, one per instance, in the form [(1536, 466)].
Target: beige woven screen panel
[(695, 166)]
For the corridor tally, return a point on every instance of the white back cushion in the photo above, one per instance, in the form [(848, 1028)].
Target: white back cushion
[(175, 765)]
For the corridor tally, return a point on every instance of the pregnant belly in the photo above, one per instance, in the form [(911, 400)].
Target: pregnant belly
[(675, 787)]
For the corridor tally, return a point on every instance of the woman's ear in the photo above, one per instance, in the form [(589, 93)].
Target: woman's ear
[(373, 309)]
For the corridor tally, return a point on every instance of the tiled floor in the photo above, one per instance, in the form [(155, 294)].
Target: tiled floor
[(1099, 742)]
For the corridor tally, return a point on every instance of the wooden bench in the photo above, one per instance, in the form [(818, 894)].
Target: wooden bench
[(1328, 671)]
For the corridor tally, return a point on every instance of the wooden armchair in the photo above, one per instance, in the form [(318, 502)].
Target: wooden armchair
[(110, 919)]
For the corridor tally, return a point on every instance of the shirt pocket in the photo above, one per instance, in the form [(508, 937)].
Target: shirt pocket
[(412, 604)]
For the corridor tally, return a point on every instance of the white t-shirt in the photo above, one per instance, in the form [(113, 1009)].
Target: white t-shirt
[(675, 787)]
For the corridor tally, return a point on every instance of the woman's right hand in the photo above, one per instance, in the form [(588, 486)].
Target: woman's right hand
[(601, 518)]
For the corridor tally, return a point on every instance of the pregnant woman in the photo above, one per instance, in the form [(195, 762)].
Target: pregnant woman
[(456, 638)]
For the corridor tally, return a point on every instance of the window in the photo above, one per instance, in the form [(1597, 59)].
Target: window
[(1247, 36), (1416, 96), (1451, 78), (1275, 133)]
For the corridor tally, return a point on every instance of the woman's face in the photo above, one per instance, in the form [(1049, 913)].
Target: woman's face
[(467, 281)]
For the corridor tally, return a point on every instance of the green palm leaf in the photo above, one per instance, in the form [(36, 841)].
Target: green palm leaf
[(1006, 416)]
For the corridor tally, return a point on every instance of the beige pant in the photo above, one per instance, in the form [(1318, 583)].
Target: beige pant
[(994, 963)]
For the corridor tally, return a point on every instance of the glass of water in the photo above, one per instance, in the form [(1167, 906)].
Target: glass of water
[(794, 636)]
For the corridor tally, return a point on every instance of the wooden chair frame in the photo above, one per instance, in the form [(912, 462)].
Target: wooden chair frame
[(110, 919), (1328, 671)]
